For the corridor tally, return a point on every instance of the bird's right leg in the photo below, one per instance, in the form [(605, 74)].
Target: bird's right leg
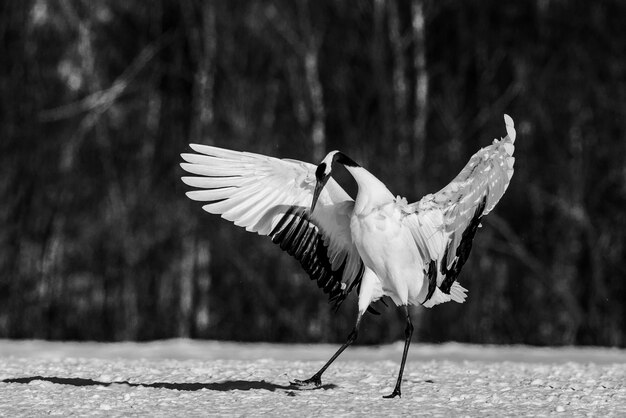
[(316, 379)]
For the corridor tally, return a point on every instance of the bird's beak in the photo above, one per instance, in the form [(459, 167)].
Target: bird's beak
[(319, 185), (322, 174)]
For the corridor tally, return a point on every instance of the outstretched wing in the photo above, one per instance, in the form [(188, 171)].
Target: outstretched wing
[(443, 224), (272, 196)]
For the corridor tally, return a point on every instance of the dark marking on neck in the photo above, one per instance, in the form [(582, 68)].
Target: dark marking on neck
[(342, 158), (319, 172)]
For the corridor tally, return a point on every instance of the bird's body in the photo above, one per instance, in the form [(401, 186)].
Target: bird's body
[(389, 251), (412, 253)]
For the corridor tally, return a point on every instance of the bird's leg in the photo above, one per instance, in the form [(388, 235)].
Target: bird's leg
[(316, 379), (408, 333)]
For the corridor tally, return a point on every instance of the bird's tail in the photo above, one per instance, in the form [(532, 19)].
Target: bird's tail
[(457, 293)]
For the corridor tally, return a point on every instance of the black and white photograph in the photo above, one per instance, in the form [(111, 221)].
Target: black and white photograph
[(312, 208)]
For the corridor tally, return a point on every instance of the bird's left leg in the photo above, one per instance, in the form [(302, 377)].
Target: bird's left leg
[(316, 379), (408, 333)]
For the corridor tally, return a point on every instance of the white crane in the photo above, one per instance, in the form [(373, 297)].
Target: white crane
[(378, 243)]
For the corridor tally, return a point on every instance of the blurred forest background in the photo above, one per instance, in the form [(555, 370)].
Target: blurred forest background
[(99, 98)]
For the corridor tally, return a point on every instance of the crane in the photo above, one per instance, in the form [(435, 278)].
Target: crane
[(377, 243)]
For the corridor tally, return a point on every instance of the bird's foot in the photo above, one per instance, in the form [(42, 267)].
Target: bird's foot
[(314, 382), (396, 392)]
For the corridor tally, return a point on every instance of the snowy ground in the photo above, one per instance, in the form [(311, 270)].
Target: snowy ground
[(191, 378)]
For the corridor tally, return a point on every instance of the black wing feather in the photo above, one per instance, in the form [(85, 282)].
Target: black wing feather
[(462, 251), (296, 234)]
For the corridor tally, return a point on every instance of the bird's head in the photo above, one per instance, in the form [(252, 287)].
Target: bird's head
[(324, 170)]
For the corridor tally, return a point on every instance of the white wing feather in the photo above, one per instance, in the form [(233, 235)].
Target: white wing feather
[(438, 220), (258, 192)]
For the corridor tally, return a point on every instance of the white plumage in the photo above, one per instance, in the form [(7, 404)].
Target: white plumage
[(412, 253)]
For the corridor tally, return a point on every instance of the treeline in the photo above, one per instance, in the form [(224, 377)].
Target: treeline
[(98, 241)]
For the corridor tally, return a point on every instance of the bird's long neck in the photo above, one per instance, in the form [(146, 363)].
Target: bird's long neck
[(372, 192)]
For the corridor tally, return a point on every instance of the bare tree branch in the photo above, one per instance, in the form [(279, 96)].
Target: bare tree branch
[(105, 98)]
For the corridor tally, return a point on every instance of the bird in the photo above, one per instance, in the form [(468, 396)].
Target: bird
[(376, 243)]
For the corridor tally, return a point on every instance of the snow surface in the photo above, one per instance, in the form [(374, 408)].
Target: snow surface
[(208, 378)]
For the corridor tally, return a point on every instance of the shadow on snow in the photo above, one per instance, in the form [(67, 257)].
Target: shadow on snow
[(219, 386)]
